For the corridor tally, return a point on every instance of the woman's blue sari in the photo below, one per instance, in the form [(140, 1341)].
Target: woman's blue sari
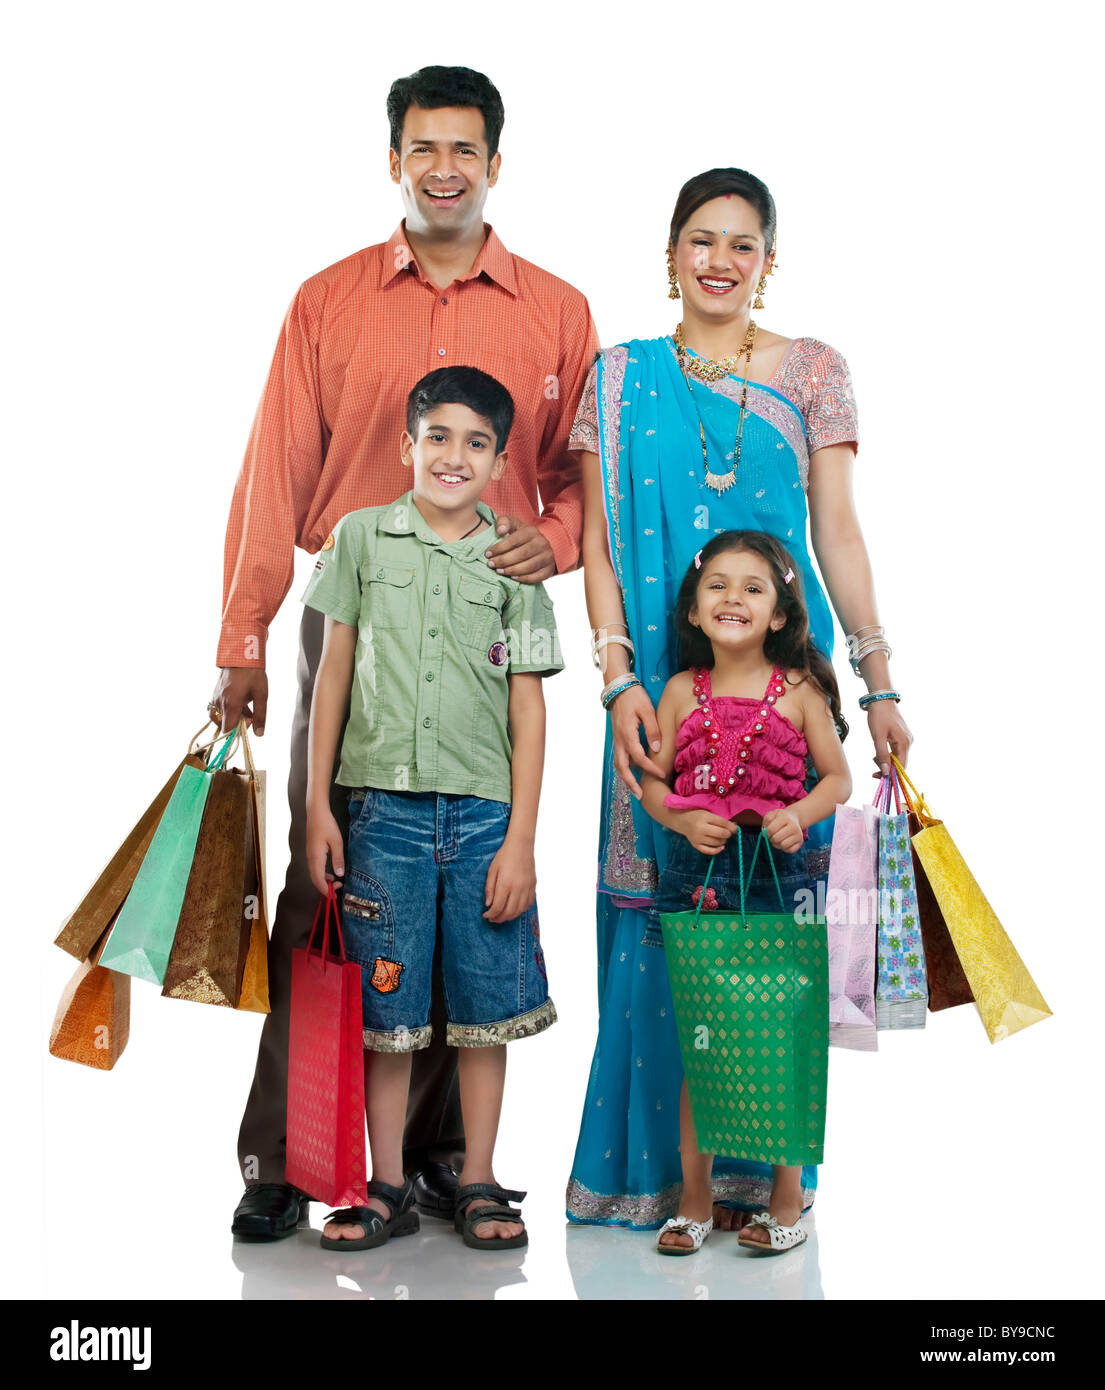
[(660, 513)]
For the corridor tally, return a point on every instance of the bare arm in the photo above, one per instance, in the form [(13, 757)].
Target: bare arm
[(785, 826), (512, 878), (846, 567), (632, 710), (705, 830), (329, 704)]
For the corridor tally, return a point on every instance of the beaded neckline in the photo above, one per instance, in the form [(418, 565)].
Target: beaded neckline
[(723, 779)]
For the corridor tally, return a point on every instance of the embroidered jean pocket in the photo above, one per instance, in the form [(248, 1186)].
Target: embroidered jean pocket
[(388, 590), (368, 919), (479, 614)]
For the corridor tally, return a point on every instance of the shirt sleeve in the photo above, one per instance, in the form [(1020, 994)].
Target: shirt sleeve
[(275, 487), (585, 429), (532, 638), (558, 470), (335, 586), (831, 402)]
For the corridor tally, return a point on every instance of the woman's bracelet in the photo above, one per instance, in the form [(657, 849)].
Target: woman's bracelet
[(599, 643), (863, 642), (873, 695), (618, 686)]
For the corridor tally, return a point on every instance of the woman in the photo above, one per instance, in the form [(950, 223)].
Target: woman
[(720, 426)]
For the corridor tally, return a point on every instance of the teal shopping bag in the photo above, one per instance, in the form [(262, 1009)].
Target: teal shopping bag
[(142, 938)]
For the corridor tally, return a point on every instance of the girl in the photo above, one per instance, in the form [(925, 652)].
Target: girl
[(736, 728)]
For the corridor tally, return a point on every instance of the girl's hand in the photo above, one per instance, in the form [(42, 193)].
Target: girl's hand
[(629, 712), (784, 830), (324, 839), (511, 887), (708, 833), (890, 733)]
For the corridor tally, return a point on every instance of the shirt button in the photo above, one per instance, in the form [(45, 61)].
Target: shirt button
[(433, 632), (441, 352), (429, 675), (379, 574), (437, 588), (426, 723), (487, 598), (444, 300)]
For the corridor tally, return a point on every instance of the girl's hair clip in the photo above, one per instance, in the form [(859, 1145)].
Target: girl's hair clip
[(698, 561), (788, 576)]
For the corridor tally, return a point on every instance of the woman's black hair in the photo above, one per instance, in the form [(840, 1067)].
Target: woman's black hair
[(790, 647), (434, 87), (721, 183)]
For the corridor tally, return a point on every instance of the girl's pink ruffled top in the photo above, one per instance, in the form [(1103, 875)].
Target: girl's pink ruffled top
[(735, 753)]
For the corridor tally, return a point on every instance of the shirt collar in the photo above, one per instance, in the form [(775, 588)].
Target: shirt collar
[(403, 518), (494, 260)]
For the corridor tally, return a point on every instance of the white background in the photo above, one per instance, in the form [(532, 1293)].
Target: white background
[(172, 174)]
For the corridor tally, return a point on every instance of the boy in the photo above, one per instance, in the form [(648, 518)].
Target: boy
[(439, 663)]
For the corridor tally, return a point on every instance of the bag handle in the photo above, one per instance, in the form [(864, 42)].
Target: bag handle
[(740, 870), (917, 805), (330, 901)]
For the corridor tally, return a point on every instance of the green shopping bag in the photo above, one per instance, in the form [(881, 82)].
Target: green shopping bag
[(751, 994), (142, 938)]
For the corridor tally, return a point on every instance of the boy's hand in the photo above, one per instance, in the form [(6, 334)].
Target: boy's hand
[(324, 838), (784, 830), (511, 882), (708, 833)]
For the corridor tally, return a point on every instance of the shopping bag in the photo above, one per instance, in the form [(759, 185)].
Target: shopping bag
[(947, 983), (751, 995), (100, 904), (221, 900), (326, 1118), (92, 1022), (851, 923), (1005, 993), (142, 937), (901, 991), (254, 995)]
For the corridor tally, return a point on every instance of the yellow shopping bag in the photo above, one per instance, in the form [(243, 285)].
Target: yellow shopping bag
[(1005, 993)]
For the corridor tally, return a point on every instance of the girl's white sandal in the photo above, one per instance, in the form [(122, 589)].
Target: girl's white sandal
[(684, 1226), (782, 1238)]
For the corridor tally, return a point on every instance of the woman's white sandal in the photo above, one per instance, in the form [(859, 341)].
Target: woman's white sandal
[(781, 1238), (684, 1226)]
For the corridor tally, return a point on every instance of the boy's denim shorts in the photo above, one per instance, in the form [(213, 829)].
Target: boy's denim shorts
[(416, 872), (685, 873)]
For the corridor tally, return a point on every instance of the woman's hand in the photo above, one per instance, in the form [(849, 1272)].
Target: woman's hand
[(784, 830), (628, 713), (708, 833), (890, 733), (324, 838)]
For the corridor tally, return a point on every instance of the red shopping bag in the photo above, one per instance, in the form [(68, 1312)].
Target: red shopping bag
[(326, 1116)]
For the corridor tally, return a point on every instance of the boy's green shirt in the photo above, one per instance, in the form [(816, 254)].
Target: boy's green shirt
[(439, 632)]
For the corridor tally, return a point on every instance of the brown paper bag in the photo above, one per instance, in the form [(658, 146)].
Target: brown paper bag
[(102, 901), (213, 933), (947, 981), (92, 1023), (254, 997)]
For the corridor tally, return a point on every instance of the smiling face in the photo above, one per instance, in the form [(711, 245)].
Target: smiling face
[(735, 601), (720, 256), (453, 457), (443, 170)]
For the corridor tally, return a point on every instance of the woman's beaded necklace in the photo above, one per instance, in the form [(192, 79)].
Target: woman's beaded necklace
[(707, 370)]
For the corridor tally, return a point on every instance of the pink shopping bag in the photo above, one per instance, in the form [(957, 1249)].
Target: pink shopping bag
[(851, 922)]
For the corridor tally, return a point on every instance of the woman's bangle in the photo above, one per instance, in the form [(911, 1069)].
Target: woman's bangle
[(874, 695), (598, 643), (863, 642), (616, 687)]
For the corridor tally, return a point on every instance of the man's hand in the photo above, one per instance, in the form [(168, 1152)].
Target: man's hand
[(707, 832), (784, 830), (235, 688), (511, 882), (324, 838), (525, 554)]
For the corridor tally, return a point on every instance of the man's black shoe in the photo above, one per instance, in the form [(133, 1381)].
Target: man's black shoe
[(269, 1211), (435, 1190)]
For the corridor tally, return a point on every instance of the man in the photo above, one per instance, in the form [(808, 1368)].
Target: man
[(442, 290)]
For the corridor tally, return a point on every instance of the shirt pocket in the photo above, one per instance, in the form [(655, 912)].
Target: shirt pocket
[(479, 615), (388, 589)]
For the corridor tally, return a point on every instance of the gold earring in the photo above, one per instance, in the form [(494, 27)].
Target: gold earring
[(673, 279), (758, 302)]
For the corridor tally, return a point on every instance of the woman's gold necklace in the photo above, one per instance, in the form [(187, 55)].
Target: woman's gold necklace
[(707, 370)]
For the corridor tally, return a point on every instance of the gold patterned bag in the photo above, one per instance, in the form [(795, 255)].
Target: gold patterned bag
[(92, 1022), (1005, 993)]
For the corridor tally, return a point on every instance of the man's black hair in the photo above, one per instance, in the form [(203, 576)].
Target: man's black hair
[(435, 87)]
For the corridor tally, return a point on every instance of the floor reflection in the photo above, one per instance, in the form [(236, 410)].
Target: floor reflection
[(607, 1262), (434, 1264)]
